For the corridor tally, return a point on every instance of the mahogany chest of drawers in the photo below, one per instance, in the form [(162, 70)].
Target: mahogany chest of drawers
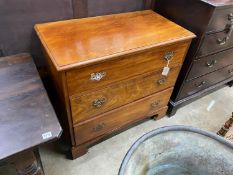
[(209, 62), (107, 71)]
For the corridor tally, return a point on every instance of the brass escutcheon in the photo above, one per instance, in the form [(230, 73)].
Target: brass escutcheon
[(99, 102)]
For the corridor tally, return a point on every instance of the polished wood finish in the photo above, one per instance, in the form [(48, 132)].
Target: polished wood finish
[(75, 43), (121, 116), (79, 80), (105, 73), (209, 58), (24, 107), (82, 105), (59, 96), (19, 17), (80, 150)]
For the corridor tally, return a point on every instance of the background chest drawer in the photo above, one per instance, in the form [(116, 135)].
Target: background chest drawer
[(102, 74), (198, 84), (211, 63), (212, 22), (220, 19), (216, 42), (124, 115), (90, 104)]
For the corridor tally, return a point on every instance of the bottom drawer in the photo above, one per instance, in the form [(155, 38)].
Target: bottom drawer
[(201, 83), (119, 117)]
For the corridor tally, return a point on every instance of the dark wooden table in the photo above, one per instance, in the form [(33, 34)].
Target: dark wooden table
[(27, 118)]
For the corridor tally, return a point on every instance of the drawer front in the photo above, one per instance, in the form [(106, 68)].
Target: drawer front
[(216, 42), (94, 103), (122, 68), (220, 19), (196, 85), (119, 117), (211, 63)]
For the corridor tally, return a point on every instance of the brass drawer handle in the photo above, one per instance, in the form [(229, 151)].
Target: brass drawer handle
[(98, 76), (221, 42), (155, 104), (98, 127), (99, 102), (230, 17), (229, 30), (161, 81), (211, 64), (201, 84), (230, 71), (168, 55)]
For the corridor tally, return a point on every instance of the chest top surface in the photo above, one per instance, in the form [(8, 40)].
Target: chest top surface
[(219, 2), (83, 41), (25, 110)]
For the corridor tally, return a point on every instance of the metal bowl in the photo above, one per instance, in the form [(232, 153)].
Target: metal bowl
[(179, 150)]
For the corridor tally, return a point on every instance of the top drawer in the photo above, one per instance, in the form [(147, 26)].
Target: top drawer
[(102, 74), (220, 19), (213, 43)]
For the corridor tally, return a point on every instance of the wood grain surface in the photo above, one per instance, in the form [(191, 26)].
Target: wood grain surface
[(78, 42), (83, 106), (129, 51), (125, 67), (121, 116), (82, 149), (25, 110)]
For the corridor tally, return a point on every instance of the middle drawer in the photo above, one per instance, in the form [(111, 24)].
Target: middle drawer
[(210, 63), (88, 105)]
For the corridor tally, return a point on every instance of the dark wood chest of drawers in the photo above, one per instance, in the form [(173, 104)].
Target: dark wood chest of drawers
[(209, 62), (108, 71)]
